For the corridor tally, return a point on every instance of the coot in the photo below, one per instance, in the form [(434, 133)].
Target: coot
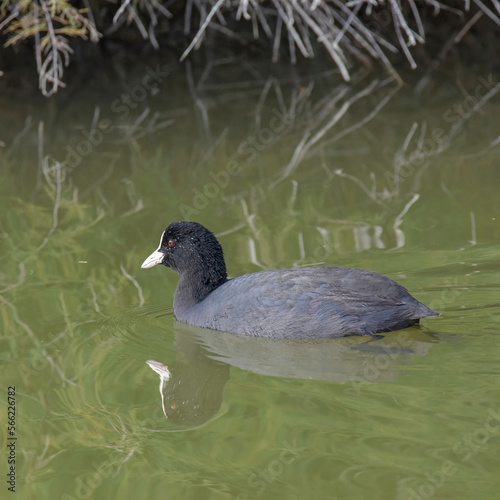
[(287, 303)]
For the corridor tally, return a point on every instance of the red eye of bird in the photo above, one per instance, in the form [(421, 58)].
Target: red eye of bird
[(170, 243)]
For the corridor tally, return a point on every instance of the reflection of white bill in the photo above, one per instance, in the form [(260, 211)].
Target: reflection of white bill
[(161, 369), (164, 373)]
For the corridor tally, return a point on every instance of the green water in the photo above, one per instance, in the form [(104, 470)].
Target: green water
[(386, 178)]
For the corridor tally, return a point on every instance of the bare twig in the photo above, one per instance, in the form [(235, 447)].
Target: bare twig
[(202, 29)]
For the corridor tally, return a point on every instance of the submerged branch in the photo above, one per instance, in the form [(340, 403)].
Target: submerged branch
[(58, 171)]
